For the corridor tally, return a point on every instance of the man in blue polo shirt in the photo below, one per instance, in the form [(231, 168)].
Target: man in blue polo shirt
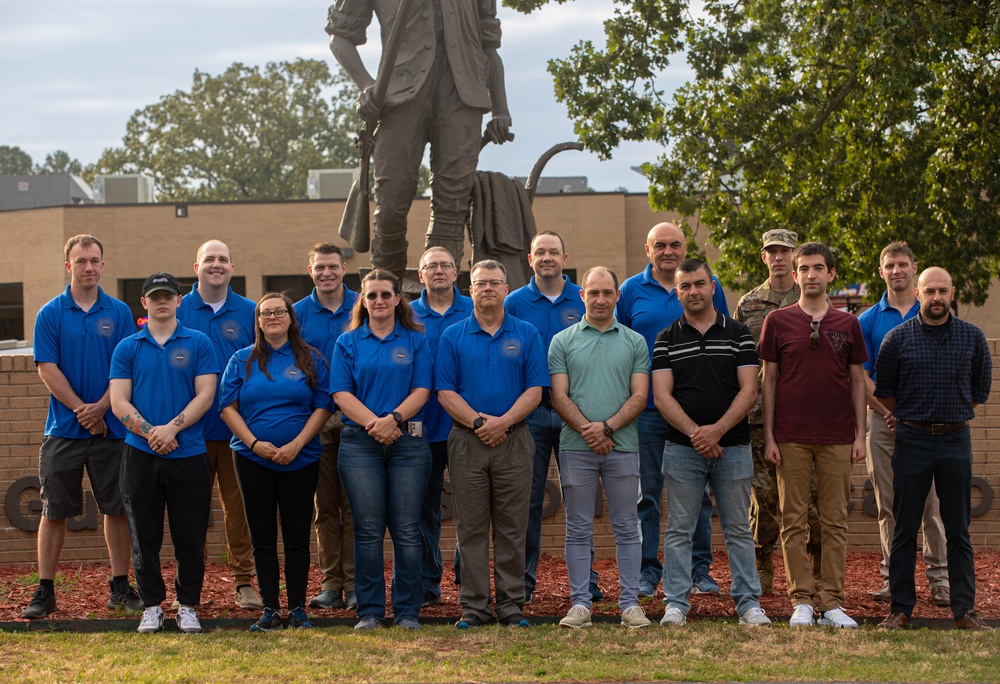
[(648, 304), (75, 336), (898, 267), (489, 374), (162, 383), (323, 316), (228, 319), (551, 303), (440, 305)]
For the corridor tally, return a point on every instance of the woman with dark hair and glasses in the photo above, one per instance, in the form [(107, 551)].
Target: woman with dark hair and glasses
[(275, 397), (381, 379)]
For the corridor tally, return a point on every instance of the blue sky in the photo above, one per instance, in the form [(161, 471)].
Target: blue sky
[(73, 72)]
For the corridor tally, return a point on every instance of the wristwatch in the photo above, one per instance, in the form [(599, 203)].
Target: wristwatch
[(608, 431), (397, 416), (478, 423)]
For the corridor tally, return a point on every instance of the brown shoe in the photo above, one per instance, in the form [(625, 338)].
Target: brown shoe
[(941, 595), (897, 620), (883, 594), (765, 570), (971, 620)]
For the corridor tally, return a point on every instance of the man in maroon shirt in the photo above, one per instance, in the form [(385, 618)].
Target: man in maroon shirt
[(814, 415)]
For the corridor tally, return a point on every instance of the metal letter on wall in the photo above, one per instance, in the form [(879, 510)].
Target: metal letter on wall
[(29, 523)]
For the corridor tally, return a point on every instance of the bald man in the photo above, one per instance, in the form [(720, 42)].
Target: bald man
[(931, 373), (647, 305), (228, 320)]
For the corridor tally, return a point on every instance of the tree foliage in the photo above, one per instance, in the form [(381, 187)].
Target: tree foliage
[(14, 161), (248, 133), (853, 123)]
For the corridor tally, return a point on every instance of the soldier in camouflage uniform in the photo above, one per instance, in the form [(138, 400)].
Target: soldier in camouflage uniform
[(778, 291)]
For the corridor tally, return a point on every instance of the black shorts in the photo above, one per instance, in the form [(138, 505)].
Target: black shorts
[(60, 470)]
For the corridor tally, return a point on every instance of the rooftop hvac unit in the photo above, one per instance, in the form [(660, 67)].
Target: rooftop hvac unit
[(124, 188), (330, 183)]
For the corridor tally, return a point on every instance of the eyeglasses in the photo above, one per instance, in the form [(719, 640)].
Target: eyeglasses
[(814, 335), (277, 313), (385, 294), (484, 283), (443, 265)]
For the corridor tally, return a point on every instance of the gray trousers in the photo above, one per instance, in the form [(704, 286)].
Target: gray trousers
[(491, 485)]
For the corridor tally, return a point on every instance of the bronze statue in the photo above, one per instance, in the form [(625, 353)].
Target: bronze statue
[(443, 74)]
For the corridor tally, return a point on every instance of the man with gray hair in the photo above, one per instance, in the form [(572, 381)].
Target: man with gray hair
[(489, 374)]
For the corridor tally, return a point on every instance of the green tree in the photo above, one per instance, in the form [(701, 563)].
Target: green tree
[(248, 133), (853, 123), (14, 161), (59, 162)]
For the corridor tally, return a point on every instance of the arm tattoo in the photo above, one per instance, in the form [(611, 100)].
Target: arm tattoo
[(179, 420), (137, 424)]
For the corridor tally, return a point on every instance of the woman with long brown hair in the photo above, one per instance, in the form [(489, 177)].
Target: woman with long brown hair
[(275, 398), (381, 379)]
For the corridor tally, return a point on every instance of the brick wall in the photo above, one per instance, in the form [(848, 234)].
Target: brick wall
[(24, 403)]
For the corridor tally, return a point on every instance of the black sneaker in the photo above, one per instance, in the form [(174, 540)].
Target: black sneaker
[(270, 620), (298, 619), (124, 599), (42, 604), (431, 599), (470, 621), (515, 620)]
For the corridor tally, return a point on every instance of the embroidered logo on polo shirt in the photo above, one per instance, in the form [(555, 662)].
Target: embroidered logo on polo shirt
[(180, 357), (401, 356), (511, 347), (105, 326), (230, 330), (292, 373), (569, 316)]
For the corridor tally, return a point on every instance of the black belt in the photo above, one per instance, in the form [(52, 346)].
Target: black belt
[(546, 402), (515, 426), (935, 428)]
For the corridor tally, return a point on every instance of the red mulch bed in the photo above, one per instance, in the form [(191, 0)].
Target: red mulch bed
[(83, 592)]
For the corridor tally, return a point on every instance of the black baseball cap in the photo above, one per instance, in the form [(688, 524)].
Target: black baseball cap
[(160, 281)]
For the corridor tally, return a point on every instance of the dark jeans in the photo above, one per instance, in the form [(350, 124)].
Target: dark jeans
[(919, 459), (385, 486), (652, 440), (184, 487), (288, 494), (430, 521)]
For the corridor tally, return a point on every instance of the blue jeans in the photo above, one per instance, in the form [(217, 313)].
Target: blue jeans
[(430, 521), (686, 473), (919, 461), (385, 486), (579, 472), (652, 438)]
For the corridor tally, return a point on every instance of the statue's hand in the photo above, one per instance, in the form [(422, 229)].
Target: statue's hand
[(498, 129), (367, 108)]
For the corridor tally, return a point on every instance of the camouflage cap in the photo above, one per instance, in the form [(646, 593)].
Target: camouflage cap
[(781, 238)]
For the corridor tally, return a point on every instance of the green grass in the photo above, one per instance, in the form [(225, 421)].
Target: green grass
[(696, 652)]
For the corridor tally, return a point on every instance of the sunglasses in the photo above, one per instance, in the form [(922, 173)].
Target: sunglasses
[(814, 335), (372, 296)]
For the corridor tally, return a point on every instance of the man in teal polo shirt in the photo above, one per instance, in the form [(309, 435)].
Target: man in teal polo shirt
[(323, 316), (228, 320), (600, 379), (162, 382)]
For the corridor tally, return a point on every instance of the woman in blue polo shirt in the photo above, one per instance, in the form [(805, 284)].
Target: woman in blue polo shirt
[(275, 398), (381, 378)]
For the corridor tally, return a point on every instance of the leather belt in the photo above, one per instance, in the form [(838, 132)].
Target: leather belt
[(546, 402), (935, 428), (515, 426)]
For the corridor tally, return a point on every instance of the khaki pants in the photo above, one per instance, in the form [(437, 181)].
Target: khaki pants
[(880, 442), (238, 544), (334, 527), (833, 487)]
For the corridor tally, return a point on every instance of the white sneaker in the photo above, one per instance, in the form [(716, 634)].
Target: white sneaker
[(755, 617), (152, 620), (673, 616), (836, 617), (802, 616), (635, 617), (187, 620), (577, 617)]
